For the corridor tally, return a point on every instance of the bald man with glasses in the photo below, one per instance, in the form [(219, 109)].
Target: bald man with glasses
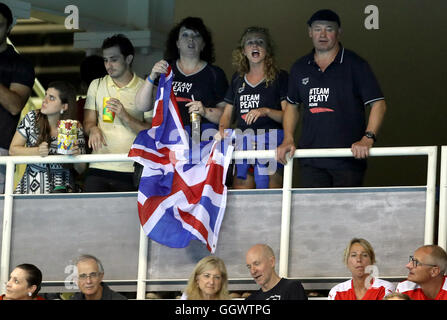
[(426, 278)]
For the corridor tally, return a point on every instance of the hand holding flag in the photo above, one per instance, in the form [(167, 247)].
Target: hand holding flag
[(179, 201)]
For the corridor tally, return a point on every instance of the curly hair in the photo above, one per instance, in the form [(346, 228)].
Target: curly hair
[(196, 24), (210, 262), (240, 61)]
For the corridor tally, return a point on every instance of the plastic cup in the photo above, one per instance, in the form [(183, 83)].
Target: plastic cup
[(67, 136), (195, 117), (107, 114)]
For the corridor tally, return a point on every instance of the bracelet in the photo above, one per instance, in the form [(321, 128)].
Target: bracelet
[(150, 80)]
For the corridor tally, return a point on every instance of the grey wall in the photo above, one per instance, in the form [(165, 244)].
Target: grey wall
[(107, 226)]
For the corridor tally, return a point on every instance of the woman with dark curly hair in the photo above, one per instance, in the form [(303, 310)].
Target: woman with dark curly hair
[(198, 85), (257, 95)]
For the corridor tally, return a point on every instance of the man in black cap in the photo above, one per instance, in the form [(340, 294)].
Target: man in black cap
[(333, 85), (16, 82)]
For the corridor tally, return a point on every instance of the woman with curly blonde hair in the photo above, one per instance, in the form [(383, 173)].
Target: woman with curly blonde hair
[(241, 61), (257, 95), (208, 281)]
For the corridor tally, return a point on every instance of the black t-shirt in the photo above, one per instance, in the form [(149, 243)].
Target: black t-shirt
[(286, 289), (333, 101), (245, 97), (207, 85), (13, 69)]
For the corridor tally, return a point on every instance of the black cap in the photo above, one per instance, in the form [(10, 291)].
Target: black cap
[(6, 13), (324, 15)]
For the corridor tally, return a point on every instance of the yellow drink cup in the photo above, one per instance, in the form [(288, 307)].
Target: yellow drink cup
[(107, 114)]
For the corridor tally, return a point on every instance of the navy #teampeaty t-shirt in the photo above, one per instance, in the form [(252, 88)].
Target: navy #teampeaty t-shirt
[(333, 103), (245, 97), (207, 85)]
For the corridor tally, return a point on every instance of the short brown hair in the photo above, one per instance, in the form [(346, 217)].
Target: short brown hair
[(365, 244)]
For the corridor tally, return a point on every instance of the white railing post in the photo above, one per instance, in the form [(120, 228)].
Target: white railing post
[(142, 266), (7, 225), (442, 223), (285, 219), (430, 196)]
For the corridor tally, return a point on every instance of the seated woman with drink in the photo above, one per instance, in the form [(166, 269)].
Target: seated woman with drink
[(37, 134)]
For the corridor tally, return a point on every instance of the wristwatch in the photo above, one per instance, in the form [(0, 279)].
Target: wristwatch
[(370, 135)]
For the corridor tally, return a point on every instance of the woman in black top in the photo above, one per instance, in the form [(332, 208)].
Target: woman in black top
[(198, 85), (257, 95)]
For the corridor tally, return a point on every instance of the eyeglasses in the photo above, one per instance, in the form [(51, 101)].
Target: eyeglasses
[(92, 275), (417, 263)]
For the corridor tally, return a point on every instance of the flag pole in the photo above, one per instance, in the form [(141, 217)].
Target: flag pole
[(142, 265)]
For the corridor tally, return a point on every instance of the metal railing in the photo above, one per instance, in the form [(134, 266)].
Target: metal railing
[(442, 223), (429, 151)]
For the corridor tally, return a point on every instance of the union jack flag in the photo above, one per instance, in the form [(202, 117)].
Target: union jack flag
[(179, 200)]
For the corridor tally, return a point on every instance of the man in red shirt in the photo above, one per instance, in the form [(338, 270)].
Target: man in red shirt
[(426, 279)]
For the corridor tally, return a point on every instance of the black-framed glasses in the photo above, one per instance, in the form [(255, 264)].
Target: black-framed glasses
[(92, 275), (417, 263)]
